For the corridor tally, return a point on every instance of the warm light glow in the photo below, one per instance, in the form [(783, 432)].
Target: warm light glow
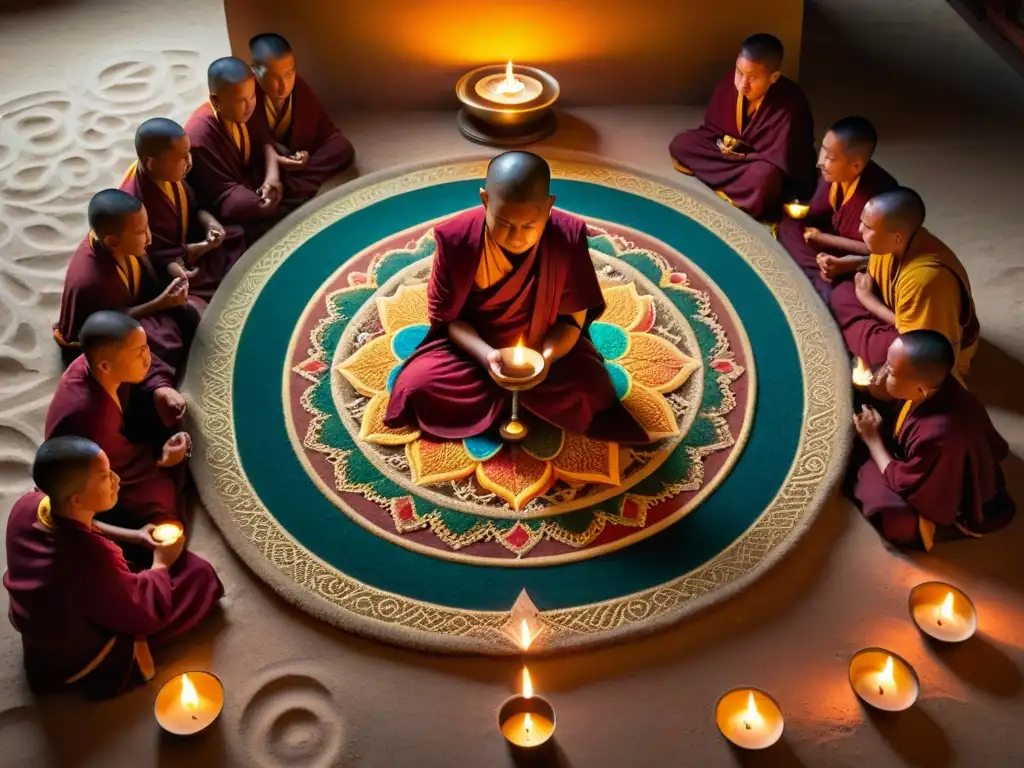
[(752, 718), (946, 611), (862, 375), (511, 84), (885, 677), (167, 533), (527, 684), (189, 697), (527, 725), (519, 354)]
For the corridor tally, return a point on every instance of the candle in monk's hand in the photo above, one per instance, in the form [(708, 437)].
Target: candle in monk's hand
[(943, 612), (526, 721), (797, 210), (862, 375), (749, 718), (189, 703), (883, 680), (167, 533)]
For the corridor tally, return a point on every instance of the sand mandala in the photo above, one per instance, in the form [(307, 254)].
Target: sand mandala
[(429, 543), (556, 496)]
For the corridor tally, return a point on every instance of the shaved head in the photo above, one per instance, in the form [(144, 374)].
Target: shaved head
[(225, 73), (519, 177), (103, 330), (62, 465), (901, 210), (930, 355), (268, 46), (857, 135), (110, 210), (156, 136), (763, 49)]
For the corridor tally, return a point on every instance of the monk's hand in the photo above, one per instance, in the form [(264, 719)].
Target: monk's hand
[(170, 405), (166, 554), (867, 423), (176, 450), (175, 294), (144, 537), (731, 154), (298, 160), (863, 286), (810, 235), (493, 361), (215, 231), (270, 193)]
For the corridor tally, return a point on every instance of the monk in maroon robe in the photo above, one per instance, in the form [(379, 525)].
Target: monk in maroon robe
[(756, 146), (942, 477), (110, 272), (310, 147), (137, 429), (827, 244), (234, 166), (86, 620), (511, 271), (187, 241)]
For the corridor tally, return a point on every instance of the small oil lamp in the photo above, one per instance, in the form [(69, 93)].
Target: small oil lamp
[(525, 720), (943, 612), (796, 209), (862, 375), (884, 680), (520, 370), (189, 703), (167, 533), (749, 718), (507, 105)]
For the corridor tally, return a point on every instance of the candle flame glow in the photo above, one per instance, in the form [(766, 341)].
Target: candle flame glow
[(519, 354), (527, 724), (189, 696), (885, 677), (751, 705), (527, 684), (946, 611), (862, 375), (167, 533), (511, 84)]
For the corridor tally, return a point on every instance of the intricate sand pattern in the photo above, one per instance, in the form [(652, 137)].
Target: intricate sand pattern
[(58, 146)]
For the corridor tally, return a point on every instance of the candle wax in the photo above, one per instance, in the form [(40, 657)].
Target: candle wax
[(177, 717), (749, 719), (942, 612), (515, 731), (891, 693)]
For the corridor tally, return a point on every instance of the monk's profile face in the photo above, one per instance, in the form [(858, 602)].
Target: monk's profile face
[(236, 103), (129, 360), (901, 380), (134, 239), (277, 76), (876, 236), (173, 164), (99, 487), (753, 79), (516, 227), (836, 166)]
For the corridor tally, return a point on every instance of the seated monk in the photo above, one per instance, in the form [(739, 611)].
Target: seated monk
[(827, 244), (913, 281), (110, 272), (509, 271), (756, 145), (943, 475), (96, 398), (309, 146), (234, 170), (187, 241), (86, 620)]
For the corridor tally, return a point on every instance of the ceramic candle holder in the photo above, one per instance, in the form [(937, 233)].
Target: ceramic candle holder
[(519, 376), (884, 680), (749, 718), (943, 612), (526, 722), (189, 703)]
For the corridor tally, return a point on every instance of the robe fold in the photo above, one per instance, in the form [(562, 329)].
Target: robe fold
[(72, 593), (778, 141), (303, 125), (447, 394), (928, 288), (946, 469), (835, 210), (174, 221), (225, 177), (94, 281), (130, 433)]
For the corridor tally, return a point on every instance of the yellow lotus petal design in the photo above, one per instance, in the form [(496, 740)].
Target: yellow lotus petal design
[(367, 370), (584, 460), (438, 462), (657, 363), (373, 430), (652, 410), (407, 307), (624, 307), (515, 476)]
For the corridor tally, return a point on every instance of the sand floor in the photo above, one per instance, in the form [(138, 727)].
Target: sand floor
[(79, 76)]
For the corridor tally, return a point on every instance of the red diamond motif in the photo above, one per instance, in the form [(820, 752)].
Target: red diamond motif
[(722, 366), (313, 366), (630, 509), (404, 509), (518, 537)]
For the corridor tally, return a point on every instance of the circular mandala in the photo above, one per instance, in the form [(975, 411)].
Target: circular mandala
[(388, 533)]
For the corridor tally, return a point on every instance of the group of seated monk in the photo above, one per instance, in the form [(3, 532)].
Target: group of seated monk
[(114, 463), (900, 296)]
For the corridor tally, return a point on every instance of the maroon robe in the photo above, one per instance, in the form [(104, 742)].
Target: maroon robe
[(841, 221), (170, 236), (71, 591), (312, 131), (223, 183), (778, 141), (447, 394), (946, 469), (130, 433), (94, 283)]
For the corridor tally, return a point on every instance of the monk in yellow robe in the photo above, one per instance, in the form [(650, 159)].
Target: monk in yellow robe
[(913, 282)]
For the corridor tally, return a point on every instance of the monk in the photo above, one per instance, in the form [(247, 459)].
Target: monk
[(86, 620), (512, 270), (756, 146), (137, 428), (943, 476), (187, 241), (913, 282), (309, 146), (827, 244), (109, 271), (234, 173)]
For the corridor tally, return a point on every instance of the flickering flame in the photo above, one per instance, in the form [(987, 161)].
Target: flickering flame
[(862, 375), (946, 611), (525, 637), (519, 354), (527, 684), (752, 718), (189, 697), (527, 724), (166, 533), (885, 678), (511, 84)]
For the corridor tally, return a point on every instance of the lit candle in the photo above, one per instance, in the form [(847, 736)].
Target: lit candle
[(167, 533), (520, 362), (797, 210), (883, 679), (189, 703), (526, 721), (749, 718), (862, 375), (510, 88), (943, 612)]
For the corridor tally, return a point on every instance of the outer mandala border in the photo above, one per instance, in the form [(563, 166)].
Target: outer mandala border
[(320, 589)]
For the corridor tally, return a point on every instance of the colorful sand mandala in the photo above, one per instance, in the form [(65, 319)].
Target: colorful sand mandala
[(556, 495)]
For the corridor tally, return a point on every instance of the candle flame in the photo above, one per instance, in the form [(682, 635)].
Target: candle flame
[(946, 611), (527, 684), (511, 84), (527, 723), (862, 375), (189, 697), (519, 354), (751, 705), (885, 678), (167, 533)]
